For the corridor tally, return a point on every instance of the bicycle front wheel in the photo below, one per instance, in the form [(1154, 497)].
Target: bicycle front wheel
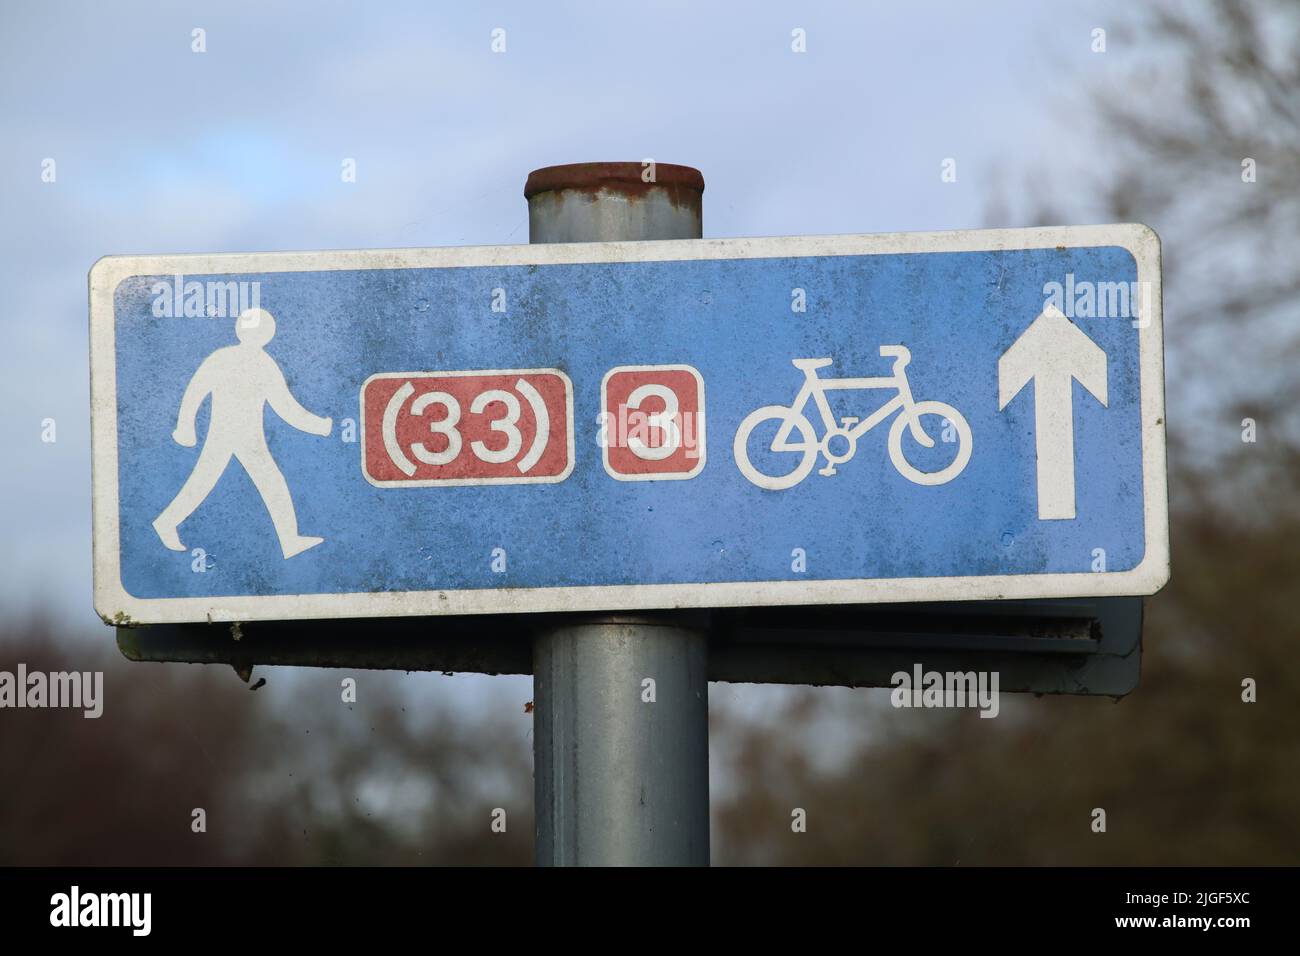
[(779, 414), (964, 442)]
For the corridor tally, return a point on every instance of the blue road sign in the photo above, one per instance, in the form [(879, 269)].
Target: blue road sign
[(849, 419)]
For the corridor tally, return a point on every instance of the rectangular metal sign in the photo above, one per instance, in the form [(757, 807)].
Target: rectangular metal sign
[(697, 423)]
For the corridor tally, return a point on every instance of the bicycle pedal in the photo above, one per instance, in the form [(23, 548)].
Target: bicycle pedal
[(827, 471)]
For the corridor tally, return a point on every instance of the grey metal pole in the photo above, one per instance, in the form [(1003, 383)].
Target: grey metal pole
[(621, 702)]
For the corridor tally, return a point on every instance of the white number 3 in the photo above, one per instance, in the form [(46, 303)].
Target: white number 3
[(514, 440), (665, 421)]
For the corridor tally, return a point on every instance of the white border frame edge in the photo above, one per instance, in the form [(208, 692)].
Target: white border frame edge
[(116, 606)]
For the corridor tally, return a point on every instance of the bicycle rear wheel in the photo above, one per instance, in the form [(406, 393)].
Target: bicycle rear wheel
[(780, 414)]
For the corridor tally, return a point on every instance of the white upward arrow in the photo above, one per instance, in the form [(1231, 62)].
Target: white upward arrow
[(1052, 352)]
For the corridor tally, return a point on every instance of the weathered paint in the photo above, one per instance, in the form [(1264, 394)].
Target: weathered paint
[(591, 542)]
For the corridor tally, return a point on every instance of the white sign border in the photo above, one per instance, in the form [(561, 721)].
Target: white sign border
[(116, 606)]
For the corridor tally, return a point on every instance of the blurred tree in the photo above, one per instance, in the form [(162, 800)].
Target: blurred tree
[(286, 775)]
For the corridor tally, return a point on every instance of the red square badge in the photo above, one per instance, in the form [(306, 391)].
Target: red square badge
[(652, 422)]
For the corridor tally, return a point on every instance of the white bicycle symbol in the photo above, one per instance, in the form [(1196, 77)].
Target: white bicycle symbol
[(792, 418)]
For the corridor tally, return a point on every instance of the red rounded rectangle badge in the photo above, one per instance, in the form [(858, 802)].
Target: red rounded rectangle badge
[(652, 422), (499, 426)]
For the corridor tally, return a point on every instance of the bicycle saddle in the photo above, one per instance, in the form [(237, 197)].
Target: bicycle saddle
[(806, 364)]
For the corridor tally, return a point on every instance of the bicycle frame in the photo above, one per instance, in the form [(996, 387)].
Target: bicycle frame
[(816, 388)]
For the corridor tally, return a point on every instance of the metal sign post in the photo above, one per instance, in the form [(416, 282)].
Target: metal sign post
[(621, 704)]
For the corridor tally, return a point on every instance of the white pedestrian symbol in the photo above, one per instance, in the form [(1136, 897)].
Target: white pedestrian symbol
[(839, 444), (242, 379)]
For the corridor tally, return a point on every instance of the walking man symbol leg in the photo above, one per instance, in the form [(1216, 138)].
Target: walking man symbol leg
[(207, 471), (275, 492)]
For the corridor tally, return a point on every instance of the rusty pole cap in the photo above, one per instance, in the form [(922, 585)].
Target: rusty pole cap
[(617, 177), (614, 202)]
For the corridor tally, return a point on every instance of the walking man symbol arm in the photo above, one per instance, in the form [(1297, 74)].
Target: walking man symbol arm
[(288, 408), (198, 389)]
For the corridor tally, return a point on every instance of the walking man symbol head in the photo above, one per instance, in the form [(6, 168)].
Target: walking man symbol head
[(255, 327)]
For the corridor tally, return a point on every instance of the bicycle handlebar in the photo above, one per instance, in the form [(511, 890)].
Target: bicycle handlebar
[(899, 352)]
